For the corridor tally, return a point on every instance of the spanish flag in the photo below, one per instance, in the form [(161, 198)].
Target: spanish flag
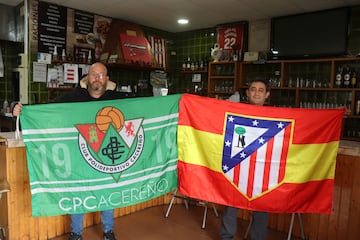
[(261, 158)]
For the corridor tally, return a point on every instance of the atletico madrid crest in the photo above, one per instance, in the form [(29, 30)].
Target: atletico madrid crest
[(255, 152)]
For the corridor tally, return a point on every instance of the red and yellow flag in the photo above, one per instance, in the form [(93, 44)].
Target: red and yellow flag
[(259, 158)]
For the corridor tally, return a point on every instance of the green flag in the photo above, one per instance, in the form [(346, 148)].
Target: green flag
[(93, 156)]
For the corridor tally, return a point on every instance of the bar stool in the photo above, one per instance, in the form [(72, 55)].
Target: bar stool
[(186, 202), (4, 187), (290, 228)]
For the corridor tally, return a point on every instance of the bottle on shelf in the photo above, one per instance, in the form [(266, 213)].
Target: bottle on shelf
[(6, 106), (338, 79), (76, 55), (353, 79), (206, 63), (347, 77), (55, 53), (196, 65), (183, 66), (192, 66), (357, 105), (201, 65), (188, 64), (83, 57), (89, 58), (277, 78), (63, 55)]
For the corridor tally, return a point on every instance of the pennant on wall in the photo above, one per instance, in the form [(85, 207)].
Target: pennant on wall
[(159, 49)]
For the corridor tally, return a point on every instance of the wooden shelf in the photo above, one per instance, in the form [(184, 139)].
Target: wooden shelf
[(189, 85), (134, 66), (321, 70), (193, 71)]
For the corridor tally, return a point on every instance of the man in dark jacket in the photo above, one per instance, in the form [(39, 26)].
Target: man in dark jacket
[(94, 87), (257, 94)]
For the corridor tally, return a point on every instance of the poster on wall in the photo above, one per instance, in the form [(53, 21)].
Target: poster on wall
[(101, 31), (230, 39), (83, 22), (135, 49), (51, 27), (84, 29), (259, 36)]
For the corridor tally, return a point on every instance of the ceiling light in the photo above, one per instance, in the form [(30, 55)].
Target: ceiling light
[(183, 21)]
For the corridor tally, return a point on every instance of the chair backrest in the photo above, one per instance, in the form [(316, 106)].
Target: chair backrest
[(4, 186)]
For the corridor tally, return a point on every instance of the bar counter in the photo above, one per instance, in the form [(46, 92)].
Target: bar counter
[(16, 219)]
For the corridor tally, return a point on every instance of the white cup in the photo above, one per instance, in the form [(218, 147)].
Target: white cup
[(164, 91)]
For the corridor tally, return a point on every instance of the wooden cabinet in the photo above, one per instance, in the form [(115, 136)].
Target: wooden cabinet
[(303, 83), (223, 79), (195, 81)]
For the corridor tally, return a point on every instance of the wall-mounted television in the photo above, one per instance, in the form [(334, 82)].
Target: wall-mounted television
[(315, 34)]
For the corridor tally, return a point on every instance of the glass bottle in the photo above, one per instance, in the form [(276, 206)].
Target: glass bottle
[(89, 59), (192, 66), (338, 79), (206, 63), (353, 79), (5, 105), (277, 78), (55, 53), (188, 64), (184, 65), (196, 65), (357, 106), (201, 66), (347, 76), (63, 55)]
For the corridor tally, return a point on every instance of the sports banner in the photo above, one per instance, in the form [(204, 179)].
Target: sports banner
[(259, 158), (93, 156)]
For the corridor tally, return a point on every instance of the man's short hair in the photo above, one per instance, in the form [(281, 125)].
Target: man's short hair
[(264, 81)]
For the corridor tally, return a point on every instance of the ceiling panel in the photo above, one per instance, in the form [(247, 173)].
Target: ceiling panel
[(162, 14)]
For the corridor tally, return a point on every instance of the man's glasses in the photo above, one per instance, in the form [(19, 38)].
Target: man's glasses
[(99, 75)]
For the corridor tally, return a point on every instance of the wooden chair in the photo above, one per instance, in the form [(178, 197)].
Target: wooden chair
[(186, 202), (290, 228)]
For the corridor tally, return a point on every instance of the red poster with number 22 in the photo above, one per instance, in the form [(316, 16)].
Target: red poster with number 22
[(231, 37)]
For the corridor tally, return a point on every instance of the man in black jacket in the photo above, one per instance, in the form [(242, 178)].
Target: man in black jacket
[(94, 87)]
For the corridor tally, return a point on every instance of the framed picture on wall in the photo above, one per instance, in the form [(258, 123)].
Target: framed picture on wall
[(259, 35), (135, 49)]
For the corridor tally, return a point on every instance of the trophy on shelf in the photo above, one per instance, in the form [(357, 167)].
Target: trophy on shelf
[(216, 52)]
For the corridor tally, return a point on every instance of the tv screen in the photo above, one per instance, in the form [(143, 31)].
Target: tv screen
[(315, 34)]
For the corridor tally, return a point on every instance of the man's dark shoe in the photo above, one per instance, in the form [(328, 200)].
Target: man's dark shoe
[(109, 235), (75, 236)]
